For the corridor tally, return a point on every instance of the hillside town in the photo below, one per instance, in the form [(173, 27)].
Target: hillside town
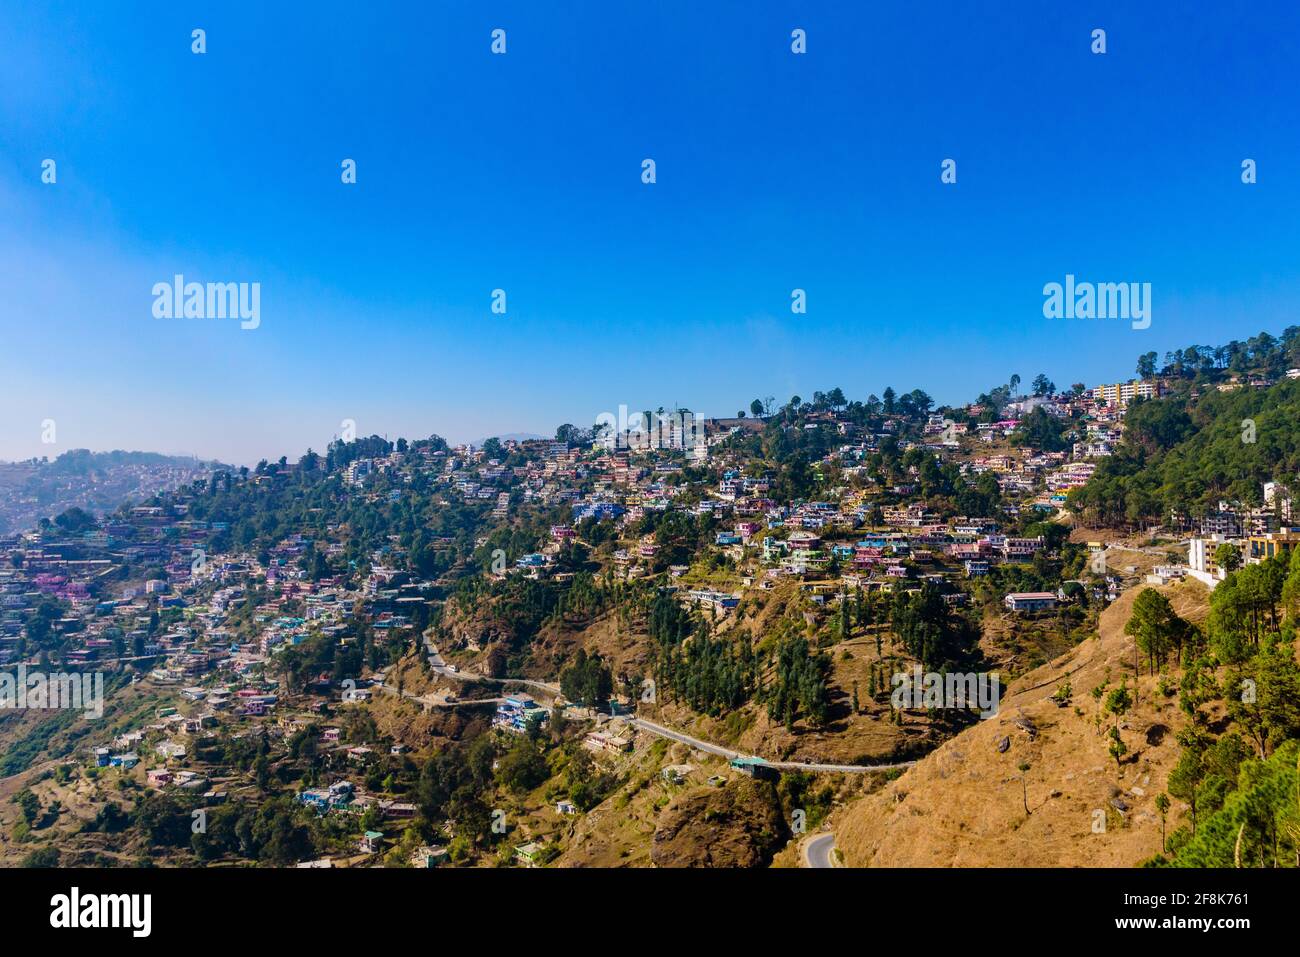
[(150, 581), (234, 628), (93, 482)]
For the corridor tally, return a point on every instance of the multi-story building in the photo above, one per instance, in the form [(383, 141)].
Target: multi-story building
[(515, 713), (1222, 524), (1122, 393), (1200, 559), (1271, 545)]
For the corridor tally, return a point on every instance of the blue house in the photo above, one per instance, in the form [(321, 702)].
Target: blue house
[(517, 711)]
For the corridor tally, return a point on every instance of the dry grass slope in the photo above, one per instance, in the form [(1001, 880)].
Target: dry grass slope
[(964, 805)]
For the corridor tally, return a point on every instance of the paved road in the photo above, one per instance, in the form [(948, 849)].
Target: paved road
[(438, 665), (441, 667), (431, 702), (666, 732), (819, 851)]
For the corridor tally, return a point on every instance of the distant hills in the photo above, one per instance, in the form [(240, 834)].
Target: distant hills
[(512, 437), (94, 481)]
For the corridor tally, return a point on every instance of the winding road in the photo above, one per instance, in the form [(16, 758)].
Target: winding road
[(430, 702), (666, 732), (819, 851), (440, 666)]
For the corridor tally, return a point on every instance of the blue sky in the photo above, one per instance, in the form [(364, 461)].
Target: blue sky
[(522, 172)]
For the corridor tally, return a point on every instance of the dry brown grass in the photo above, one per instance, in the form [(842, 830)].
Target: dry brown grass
[(965, 804)]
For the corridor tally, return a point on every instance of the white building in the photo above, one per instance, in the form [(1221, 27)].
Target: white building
[(1122, 393), (1200, 560)]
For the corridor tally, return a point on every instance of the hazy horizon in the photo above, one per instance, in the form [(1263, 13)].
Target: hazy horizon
[(476, 440)]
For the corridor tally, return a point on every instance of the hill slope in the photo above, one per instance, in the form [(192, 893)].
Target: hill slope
[(965, 804)]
